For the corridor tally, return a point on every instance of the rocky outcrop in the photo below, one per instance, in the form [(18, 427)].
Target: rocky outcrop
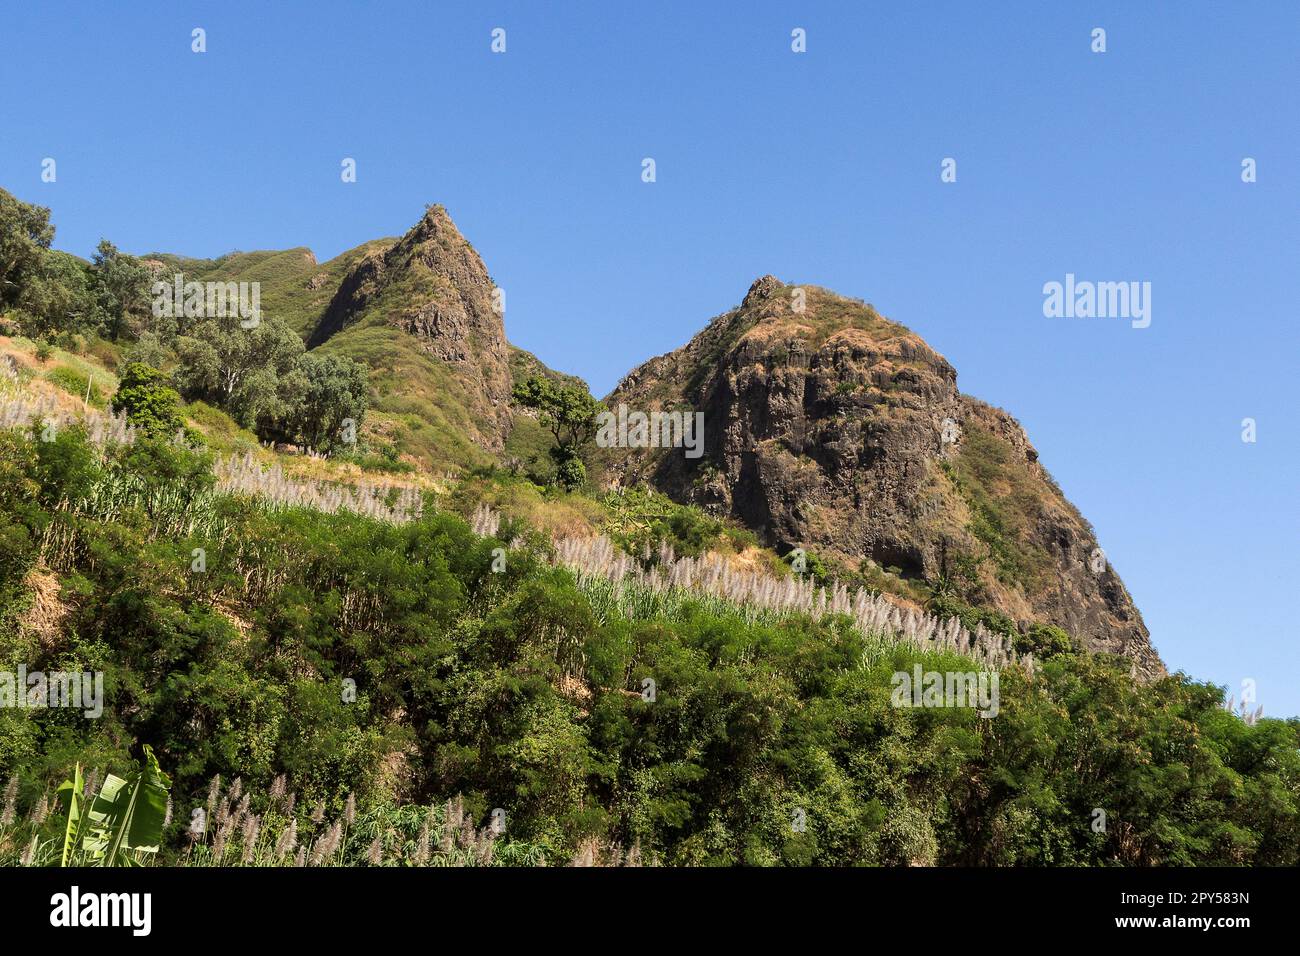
[(830, 428), (433, 285)]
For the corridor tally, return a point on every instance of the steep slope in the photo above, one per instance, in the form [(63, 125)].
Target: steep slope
[(831, 428), (430, 294)]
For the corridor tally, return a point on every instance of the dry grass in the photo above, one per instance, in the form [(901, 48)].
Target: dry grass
[(44, 617)]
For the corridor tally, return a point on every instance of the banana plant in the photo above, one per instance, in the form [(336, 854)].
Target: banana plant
[(124, 820)]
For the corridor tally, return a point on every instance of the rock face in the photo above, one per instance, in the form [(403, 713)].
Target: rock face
[(830, 428), (433, 285)]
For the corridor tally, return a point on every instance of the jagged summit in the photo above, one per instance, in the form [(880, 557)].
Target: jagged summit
[(764, 287), (832, 428), (432, 285)]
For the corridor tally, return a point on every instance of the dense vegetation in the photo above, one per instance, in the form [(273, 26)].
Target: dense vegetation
[(255, 369), (509, 685), (397, 675)]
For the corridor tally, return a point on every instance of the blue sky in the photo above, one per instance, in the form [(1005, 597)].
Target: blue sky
[(820, 167)]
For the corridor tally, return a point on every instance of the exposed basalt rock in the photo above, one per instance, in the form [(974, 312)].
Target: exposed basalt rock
[(831, 428), (433, 285)]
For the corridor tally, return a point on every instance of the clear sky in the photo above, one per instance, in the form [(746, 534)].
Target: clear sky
[(821, 167)]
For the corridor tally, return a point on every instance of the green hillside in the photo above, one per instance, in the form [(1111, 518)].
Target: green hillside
[(293, 286), (341, 600), (334, 667)]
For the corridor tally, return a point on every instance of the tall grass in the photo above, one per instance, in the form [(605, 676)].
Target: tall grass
[(236, 828), (661, 585), (245, 475), (235, 474), (102, 427)]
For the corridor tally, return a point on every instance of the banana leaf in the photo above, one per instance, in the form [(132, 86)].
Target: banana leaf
[(127, 815), (69, 794)]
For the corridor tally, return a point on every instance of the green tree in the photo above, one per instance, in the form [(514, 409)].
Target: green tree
[(570, 414), (149, 348), (121, 285), (50, 289), (330, 409), (25, 234), (1044, 641), (148, 402), (58, 296), (250, 372)]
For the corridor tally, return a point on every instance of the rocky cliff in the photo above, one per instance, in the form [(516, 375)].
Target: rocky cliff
[(831, 428)]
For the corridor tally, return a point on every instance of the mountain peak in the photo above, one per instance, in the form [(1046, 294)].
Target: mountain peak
[(432, 285), (831, 428), (762, 288), (435, 221)]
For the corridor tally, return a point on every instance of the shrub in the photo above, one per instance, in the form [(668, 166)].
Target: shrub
[(148, 402), (802, 561), (1044, 641)]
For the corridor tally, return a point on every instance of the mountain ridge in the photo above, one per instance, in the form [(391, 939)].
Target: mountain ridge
[(829, 428)]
